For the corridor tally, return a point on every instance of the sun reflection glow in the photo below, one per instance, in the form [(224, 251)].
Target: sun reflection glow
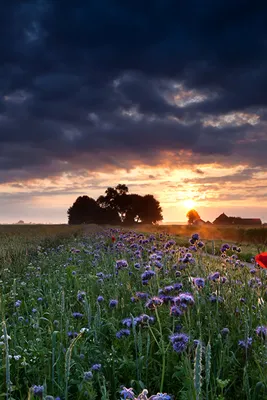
[(189, 203)]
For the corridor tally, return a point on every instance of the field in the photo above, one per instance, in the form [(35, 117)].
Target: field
[(90, 313)]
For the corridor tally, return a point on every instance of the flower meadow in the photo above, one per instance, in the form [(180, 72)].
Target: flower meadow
[(125, 315)]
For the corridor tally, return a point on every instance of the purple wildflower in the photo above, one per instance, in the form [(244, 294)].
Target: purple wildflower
[(88, 375), (81, 296), (100, 299), (214, 298), (147, 275), (154, 303), (113, 303), (96, 367), (121, 264), (214, 277), (167, 289), (178, 286), (18, 303), (199, 282), (179, 342), (123, 332), (77, 315), (246, 343), (225, 247), (225, 332), (127, 393), (160, 396), (141, 295), (38, 390), (184, 298), (128, 322), (176, 311), (72, 335), (261, 331)]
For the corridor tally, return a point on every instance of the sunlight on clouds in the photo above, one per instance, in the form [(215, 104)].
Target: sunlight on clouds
[(237, 119), (184, 97)]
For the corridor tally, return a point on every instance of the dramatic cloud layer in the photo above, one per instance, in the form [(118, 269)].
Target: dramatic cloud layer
[(110, 85)]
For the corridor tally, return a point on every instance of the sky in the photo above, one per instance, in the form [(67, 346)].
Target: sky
[(167, 97)]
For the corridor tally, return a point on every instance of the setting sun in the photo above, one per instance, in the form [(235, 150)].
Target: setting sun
[(189, 203)]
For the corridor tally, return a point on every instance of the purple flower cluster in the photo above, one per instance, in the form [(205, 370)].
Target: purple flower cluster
[(261, 331), (81, 295), (77, 315), (113, 303), (246, 343), (199, 282), (122, 333), (142, 320), (147, 275), (179, 342), (121, 264), (214, 277), (225, 247), (153, 303), (96, 367)]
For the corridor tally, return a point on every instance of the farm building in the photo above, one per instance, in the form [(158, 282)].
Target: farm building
[(223, 219)]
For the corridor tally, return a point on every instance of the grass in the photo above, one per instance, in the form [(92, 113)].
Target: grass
[(252, 240), (57, 330)]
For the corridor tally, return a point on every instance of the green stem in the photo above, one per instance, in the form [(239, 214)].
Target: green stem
[(163, 353)]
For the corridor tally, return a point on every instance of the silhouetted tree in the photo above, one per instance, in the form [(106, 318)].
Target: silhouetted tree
[(192, 216), (115, 199), (151, 211), (115, 207), (84, 210)]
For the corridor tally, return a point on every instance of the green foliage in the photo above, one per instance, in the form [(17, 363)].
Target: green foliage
[(44, 349)]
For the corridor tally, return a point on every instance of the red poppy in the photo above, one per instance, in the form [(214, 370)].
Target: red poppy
[(261, 259), (113, 238)]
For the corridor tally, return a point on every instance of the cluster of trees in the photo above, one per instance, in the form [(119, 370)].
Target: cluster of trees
[(116, 206)]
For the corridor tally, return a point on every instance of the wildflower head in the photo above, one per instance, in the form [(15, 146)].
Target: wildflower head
[(18, 303), (214, 277), (81, 296), (77, 315), (154, 303), (179, 342), (127, 393), (176, 311), (122, 333), (113, 303), (38, 390), (147, 275), (261, 331), (96, 367), (121, 264), (246, 343), (225, 247), (88, 375), (199, 282), (225, 332)]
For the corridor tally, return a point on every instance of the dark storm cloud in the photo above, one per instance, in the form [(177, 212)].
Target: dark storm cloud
[(93, 84)]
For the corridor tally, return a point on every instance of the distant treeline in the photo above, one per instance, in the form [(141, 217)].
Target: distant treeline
[(117, 206)]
